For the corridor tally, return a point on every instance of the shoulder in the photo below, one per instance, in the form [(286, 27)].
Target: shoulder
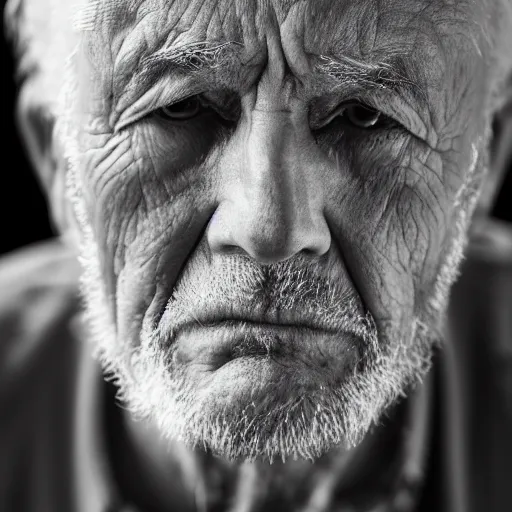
[(491, 243), (43, 264), (479, 365), (39, 360), (38, 296)]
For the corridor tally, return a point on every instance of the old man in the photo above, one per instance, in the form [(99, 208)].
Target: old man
[(264, 205)]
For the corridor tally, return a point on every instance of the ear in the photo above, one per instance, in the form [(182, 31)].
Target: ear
[(36, 123), (42, 39)]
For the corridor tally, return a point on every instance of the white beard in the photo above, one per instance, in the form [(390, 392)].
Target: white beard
[(305, 426)]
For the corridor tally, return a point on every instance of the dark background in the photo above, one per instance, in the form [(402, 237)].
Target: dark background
[(22, 206), (23, 213)]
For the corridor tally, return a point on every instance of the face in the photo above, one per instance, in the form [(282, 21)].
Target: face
[(272, 200)]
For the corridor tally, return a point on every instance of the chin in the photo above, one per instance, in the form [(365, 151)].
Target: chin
[(259, 408), (262, 375), (251, 399)]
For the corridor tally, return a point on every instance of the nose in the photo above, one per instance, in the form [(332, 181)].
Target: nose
[(272, 209)]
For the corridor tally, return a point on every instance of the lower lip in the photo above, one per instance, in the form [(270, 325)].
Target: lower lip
[(217, 345), (302, 361)]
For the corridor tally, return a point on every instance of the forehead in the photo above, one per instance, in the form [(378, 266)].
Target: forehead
[(427, 30), (318, 26), (439, 42), (365, 25)]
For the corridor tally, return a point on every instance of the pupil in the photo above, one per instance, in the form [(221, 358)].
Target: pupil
[(364, 116), (183, 109), (185, 105)]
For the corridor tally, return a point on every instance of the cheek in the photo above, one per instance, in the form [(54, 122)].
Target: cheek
[(149, 206), (392, 213)]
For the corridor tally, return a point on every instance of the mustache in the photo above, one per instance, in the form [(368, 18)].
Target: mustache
[(296, 292)]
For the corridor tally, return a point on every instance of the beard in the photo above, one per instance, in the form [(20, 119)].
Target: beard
[(297, 420)]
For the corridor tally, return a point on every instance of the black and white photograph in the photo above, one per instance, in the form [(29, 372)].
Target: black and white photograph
[(256, 256)]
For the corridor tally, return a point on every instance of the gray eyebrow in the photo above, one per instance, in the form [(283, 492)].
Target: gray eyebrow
[(388, 74), (198, 56), (192, 57)]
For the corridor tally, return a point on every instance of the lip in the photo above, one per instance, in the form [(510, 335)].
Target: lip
[(270, 323), (236, 323), (259, 316), (218, 344)]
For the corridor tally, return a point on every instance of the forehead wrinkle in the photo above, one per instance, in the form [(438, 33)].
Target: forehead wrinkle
[(202, 54)]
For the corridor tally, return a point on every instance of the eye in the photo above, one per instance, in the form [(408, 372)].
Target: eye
[(181, 110), (354, 115), (362, 116)]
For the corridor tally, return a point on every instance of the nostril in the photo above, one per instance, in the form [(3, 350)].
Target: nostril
[(308, 252), (237, 229), (232, 250)]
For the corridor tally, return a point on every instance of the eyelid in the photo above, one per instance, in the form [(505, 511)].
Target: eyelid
[(395, 108), (340, 108), (163, 93)]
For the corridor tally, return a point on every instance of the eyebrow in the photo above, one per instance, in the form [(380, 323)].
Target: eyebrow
[(387, 74), (192, 57), (200, 56)]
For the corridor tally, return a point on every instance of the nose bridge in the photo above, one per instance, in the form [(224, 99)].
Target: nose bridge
[(273, 211), (273, 179)]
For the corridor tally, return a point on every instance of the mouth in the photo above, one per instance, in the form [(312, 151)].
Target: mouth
[(262, 323), (210, 337), (259, 316), (224, 342)]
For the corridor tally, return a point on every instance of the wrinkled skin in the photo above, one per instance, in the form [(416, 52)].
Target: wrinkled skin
[(380, 203), (373, 210)]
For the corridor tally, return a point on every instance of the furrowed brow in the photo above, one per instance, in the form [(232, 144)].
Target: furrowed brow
[(192, 57)]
